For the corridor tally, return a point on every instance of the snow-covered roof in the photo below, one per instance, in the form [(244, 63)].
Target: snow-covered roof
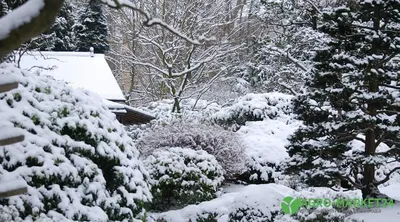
[(78, 69), (131, 113)]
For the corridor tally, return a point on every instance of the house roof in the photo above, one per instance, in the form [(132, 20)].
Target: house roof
[(78, 69), (129, 114)]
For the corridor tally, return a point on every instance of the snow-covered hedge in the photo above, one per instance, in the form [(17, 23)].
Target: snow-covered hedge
[(255, 107), (182, 176), (220, 143), (78, 161)]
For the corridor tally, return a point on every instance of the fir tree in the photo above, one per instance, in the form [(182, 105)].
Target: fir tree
[(62, 28), (91, 30), (353, 97)]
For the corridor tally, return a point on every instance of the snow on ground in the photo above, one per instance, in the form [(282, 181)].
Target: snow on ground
[(266, 195), (388, 214), (272, 195)]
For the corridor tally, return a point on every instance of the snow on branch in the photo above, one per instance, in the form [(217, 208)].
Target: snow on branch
[(149, 21), (27, 21)]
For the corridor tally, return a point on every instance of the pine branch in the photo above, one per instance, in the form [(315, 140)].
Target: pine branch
[(387, 178), (390, 86)]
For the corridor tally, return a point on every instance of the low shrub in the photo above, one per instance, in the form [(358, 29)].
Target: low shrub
[(182, 176)]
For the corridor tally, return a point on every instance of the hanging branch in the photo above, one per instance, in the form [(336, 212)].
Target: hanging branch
[(27, 21)]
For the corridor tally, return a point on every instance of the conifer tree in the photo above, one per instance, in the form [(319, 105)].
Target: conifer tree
[(62, 28), (91, 29), (353, 98)]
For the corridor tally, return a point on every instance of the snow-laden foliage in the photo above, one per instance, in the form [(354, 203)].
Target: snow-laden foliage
[(353, 91), (265, 142), (78, 161), (91, 28), (220, 143), (282, 56), (255, 107), (182, 176)]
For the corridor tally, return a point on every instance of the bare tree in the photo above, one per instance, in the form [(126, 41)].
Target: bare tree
[(158, 64)]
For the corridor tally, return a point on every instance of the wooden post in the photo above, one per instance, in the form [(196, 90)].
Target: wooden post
[(12, 188), (15, 187), (8, 86), (11, 140)]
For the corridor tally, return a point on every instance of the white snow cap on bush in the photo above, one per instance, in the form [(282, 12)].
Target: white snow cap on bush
[(69, 134), (184, 161), (258, 107), (215, 140)]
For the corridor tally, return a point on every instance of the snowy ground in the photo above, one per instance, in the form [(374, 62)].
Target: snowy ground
[(389, 214), (268, 195)]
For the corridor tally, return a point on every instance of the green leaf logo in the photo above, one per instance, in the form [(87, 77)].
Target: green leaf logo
[(290, 205)]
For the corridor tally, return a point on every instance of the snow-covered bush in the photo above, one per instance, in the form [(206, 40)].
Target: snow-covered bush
[(262, 204), (255, 107), (78, 161), (182, 176), (265, 143), (220, 143)]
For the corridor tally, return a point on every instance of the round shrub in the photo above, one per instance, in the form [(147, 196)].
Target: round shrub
[(220, 143), (78, 161), (182, 176)]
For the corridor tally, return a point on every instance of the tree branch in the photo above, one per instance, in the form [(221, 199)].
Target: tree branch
[(387, 178), (25, 23)]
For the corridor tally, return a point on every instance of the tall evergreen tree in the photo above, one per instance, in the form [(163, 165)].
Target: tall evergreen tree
[(353, 97), (62, 28), (91, 29)]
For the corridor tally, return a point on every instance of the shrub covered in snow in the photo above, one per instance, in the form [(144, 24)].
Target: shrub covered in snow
[(220, 143), (261, 204), (255, 107), (78, 161), (265, 143), (182, 176)]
